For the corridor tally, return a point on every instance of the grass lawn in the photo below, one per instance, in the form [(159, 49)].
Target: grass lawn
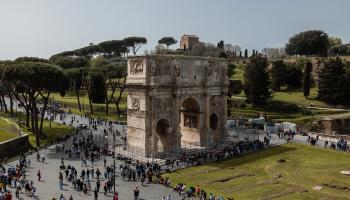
[(297, 97), (111, 116), (55, 131), (239, 71), (52, 133), (262, 177), (70, 100), (8, 129), (277, 111), (290, 96)]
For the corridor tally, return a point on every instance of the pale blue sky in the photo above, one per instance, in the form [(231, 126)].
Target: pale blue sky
[(44, 27)]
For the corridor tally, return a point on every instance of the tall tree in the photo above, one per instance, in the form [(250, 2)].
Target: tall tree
[(231, 70), (167, 41), (334, 41), (116, 78), (221, 44), (278, 74), (85, 72), (113, 48), (256, 81), (71, 62), (294, 75), (307, 79), (30, 59), (314, 42), (33, 80), (332, 81), (75, 78), (97, 86), (135, 43)]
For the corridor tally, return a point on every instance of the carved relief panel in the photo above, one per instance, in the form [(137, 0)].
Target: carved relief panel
[(135, 104), (213, 70), (215, 100), (136, 66)]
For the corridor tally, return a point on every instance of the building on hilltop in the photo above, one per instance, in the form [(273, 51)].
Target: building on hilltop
[(187, 41)]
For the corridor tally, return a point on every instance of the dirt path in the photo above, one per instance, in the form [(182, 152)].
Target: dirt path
[(284, 193), (228, 178)]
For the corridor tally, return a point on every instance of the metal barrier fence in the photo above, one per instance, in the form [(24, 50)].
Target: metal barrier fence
[(234, 134), (245, 133)]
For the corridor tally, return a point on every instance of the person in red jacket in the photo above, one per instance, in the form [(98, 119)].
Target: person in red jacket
[(8, 196), (115, 196)]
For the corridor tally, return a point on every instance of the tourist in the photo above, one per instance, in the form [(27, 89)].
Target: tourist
[(33, 191), (43, 158), (115, 197), (29, 162), (211, 196), (96, 194), (105, 188), (198, 191), (17, 193), (62, 197), (39, 175), (136, 193), (98, 184), (60, 181)]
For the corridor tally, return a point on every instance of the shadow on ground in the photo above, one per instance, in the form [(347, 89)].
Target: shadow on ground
[(251, 157)]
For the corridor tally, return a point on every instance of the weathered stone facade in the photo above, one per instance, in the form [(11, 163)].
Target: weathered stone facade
[(336, 125), (175, 100)]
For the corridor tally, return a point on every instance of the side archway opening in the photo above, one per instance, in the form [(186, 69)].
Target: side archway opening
[(213, 121)]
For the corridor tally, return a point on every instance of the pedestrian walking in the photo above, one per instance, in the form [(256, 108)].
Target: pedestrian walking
[(96, 194), (61, 184), (115, 196), (136, 193), (39, 175)]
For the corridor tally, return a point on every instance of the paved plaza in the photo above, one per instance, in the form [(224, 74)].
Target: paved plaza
[(48, 187)]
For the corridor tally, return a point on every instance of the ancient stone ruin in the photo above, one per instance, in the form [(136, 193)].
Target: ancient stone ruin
[(338, 125), (174, 101)]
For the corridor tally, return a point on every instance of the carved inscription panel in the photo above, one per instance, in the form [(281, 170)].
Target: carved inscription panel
[(162, 66), (162, 105)]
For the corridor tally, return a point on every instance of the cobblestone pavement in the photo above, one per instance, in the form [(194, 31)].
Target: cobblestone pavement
[(48, 187)]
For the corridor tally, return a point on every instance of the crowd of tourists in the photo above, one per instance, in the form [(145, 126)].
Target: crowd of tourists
[(14, 177), (187, 160), (89, 179), (340, 144)]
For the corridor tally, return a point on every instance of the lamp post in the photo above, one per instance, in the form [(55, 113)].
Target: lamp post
[(114, 168), (83, 104), (19, 122)]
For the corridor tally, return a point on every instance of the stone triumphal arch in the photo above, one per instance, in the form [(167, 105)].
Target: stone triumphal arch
[(174, 101)]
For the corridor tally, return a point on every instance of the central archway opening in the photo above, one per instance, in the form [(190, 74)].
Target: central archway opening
[(190, 122), (162, 129)]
